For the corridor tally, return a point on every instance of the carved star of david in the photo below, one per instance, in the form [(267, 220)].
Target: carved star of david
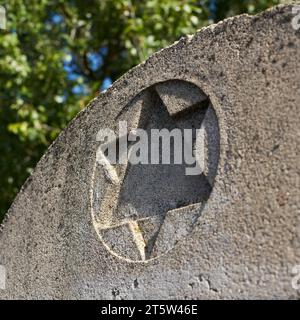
[(148, 208)]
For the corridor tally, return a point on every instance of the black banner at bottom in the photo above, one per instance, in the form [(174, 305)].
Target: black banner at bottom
[(146, 309)]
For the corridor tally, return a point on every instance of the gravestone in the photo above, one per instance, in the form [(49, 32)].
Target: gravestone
[(84, 227)]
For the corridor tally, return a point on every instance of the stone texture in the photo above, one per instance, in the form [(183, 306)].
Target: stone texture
[(237, 238), (175, 97)]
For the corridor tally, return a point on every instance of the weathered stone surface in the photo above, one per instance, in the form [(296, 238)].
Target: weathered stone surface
[(175, 97), (80, 230)]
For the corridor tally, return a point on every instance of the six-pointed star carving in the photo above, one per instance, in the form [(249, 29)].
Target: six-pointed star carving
[(142, 200)]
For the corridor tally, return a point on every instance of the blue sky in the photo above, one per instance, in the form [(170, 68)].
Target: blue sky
[(95, 59)]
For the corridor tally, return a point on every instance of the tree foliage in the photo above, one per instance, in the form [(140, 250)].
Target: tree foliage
[(57, 54)]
